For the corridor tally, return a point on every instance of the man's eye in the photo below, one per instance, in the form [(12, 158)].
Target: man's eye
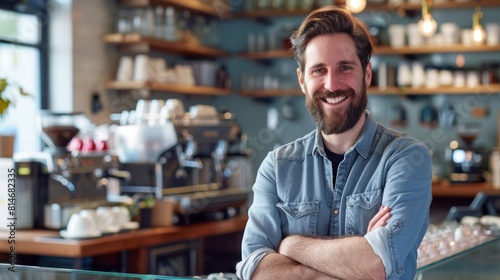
[(345, 68), (318, 71)]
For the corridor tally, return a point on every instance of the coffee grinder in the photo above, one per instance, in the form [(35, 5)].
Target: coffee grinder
[(466, 161), (62, 182)]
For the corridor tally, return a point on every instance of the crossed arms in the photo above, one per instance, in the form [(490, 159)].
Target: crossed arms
[(314, 258)]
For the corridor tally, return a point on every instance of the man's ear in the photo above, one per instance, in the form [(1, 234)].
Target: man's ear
[(368, 75), (300, 76)]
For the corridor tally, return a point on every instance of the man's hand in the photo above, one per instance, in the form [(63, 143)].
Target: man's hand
[(380, 219)]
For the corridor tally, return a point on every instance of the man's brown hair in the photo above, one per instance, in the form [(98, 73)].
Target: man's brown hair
[(332, 20)]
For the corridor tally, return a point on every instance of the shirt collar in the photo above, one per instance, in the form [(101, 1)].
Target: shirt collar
[(363, 143)]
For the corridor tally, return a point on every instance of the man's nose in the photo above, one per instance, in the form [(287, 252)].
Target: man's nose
[(331, 82)]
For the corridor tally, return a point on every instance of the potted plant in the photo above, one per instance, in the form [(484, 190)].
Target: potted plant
[(8, 94)]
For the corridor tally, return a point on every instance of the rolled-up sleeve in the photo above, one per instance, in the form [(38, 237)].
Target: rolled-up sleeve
[(408, 194), (263, 230)]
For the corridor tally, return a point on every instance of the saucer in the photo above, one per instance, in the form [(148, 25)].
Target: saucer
[(92, 234), (130, 225)]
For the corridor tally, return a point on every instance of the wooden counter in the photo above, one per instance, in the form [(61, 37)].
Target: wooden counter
[(135, 243), (468, 190)]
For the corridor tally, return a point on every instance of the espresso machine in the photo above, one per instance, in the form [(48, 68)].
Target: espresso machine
[(466, 161), (186, 156), (59, 182)]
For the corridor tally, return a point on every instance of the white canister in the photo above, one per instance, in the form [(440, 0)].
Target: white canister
[(472, 79), (418, 75), (492, 34), (125, 69), (459, 79), (404, 74), (466, 36), (141, 68), (397, 35), (415, 39), (451, 33), (495, 168), (431, 78)]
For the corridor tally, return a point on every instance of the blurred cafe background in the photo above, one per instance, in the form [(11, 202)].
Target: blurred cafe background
[(136, 127)]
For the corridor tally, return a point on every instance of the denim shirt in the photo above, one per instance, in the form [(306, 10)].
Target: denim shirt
[(294, 194)]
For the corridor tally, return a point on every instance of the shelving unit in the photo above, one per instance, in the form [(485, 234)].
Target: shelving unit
[(402, 9), (173, 88)]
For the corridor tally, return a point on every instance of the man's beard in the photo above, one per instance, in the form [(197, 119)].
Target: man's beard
[(336, 122)]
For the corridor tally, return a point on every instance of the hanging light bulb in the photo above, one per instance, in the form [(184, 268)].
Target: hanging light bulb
[(427, 25), (355, 6), (478, 33)]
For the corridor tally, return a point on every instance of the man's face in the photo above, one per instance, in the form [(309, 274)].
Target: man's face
[(334, 83)]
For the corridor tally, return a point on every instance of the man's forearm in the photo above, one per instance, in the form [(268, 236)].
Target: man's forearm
[(276, 266), (344, 258)]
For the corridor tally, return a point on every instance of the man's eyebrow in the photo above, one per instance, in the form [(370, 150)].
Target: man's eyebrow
[(342, 62)]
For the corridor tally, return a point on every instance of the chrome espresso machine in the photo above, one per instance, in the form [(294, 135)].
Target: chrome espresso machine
[(57, 183), (198, 158)]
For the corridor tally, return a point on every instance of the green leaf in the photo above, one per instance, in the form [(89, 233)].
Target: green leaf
[(4, 104), (3, 85), (22, 92)]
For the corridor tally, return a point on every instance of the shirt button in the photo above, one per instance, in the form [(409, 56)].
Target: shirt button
[(336, 211), (327, 185), (295, 211)]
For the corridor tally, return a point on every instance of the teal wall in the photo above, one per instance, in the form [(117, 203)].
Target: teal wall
[(252, 112)]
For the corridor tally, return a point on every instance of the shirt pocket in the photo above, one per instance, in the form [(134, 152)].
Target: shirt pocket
[(361, 208), (299, 217)]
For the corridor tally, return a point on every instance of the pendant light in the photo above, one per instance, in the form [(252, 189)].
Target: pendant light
[(355, 6), (478, 33), (427, 25)]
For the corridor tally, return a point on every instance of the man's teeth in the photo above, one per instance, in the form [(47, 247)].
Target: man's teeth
[(335, 100)]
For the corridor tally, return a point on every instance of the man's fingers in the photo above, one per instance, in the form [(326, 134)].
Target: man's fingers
[(380, 216)]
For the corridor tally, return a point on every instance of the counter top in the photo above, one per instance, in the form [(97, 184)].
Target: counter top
[(444, 188), (49, 242)]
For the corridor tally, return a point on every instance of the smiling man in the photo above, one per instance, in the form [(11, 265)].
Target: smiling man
[(351, 199)]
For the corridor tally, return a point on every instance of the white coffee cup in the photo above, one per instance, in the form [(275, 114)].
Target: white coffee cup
[(91, 214), (79, 226), (105, 219), (121, 214)]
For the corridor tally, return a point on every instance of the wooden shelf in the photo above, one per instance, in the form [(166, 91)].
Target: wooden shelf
[(172, 88), (387, 50), (481, 89), (219, 8), (138, 44), (435, 5), (275, 54), (484, 89), (384, 50), (272, 92), (447, 189)]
